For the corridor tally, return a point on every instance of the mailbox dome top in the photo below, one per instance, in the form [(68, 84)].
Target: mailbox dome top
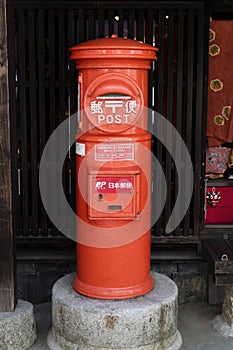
[(113, 42), (120, 51)]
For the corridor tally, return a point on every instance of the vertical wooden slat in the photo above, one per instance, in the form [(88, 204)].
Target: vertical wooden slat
[(61, 108), (40, 39), (169, 110), (121, 23), (72, 100), (110, 22), (179, 70), (149, 40), (81, 26), (159, 99), (140, 25), (42, 102), (131, 24), (160, 64), (189, 108), (33, 124), (179, 94), (7, 251), (23, 121), (201, 39), (101, 23), (150, 26), (51, 72), (91, 24), (13, 94), (71, 67), (51, 183), (170, 68), (62, 67), (190, 65)]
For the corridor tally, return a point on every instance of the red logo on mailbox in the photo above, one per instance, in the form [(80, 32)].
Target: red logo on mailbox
[(113, 184)]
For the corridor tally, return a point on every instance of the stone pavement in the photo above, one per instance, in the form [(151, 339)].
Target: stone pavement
[(194, 326)]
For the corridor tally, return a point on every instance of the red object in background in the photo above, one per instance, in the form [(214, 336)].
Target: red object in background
[(222, 212), (113, 162), (220, 106)]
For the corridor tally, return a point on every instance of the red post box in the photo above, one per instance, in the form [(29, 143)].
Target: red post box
[(113, 168)]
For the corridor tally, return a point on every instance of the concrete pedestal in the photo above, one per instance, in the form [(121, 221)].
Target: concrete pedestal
[(18, 328), (224, 323), (146, 323)]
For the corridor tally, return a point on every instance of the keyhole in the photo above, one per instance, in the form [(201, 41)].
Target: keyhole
[(100, 196)]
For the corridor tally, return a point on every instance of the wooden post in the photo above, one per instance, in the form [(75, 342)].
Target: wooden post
[(7, 251)]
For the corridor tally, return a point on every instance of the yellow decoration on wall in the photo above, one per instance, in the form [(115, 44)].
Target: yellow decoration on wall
[(226, 112), (211, 35), (214, 50), (216, 85), (219, 120)]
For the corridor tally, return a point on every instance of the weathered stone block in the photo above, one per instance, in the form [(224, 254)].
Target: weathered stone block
[(148, 322), (165, 268), (23, 269), (194, 267), (227, 307), (18, 328), (40, 285), (191, 287), (215, 293)]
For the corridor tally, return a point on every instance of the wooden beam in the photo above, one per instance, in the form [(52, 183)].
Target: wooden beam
[(7, 251)]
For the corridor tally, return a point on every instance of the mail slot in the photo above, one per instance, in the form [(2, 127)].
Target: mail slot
[(113, 167)]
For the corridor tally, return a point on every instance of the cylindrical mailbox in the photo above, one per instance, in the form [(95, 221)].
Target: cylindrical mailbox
[(113, 164)]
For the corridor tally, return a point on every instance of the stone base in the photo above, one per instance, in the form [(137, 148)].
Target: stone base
[(18, 328), (148, 322), (224, 323), (222, 326)]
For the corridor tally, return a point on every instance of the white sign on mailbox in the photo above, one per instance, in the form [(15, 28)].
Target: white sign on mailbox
[(114, 109)]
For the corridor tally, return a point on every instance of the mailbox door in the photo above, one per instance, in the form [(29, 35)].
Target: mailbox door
[(114, 196)]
